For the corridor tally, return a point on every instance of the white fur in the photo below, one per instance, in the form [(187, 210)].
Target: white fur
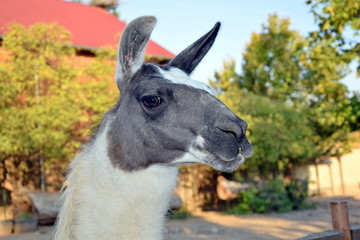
[(177, 76), (194, 155), (133, 67), (103, 202)]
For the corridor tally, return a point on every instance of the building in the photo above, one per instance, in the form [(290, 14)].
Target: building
[(91, 27), (333, 176)]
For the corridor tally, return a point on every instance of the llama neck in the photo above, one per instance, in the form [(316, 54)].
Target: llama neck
[(102, 202)]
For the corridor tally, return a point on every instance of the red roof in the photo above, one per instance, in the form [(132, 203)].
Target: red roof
[(91, 27)]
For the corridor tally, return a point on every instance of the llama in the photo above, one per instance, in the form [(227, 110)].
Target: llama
[(120, 185)]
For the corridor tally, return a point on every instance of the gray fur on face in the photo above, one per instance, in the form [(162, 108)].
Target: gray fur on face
[(157, 121), (140, 136)]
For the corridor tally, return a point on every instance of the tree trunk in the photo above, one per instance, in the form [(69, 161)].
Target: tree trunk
[(341, 174), (331, 179), (317, 178)]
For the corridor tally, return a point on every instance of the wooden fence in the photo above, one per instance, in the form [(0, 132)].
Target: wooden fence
[(341, 226)]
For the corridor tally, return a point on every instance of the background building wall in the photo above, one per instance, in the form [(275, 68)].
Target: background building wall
[(329, 177)]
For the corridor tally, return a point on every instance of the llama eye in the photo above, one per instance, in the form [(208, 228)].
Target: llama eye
[(151, 101)]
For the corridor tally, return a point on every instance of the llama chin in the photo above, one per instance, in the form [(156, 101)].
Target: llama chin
[(119, 186)]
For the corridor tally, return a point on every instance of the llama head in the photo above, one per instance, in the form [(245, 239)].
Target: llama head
[(165, 118)]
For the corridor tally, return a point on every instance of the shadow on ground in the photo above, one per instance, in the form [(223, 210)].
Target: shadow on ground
[(215, 225), (292, 225)]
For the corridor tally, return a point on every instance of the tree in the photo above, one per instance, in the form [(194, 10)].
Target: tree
[(355, 112), (329, 53), (325, 99), (288, 79), (46, 102), (334, 45), (109, 5), (281, 64), (279, 134), (40, 117), (337, 20), (271, 65)]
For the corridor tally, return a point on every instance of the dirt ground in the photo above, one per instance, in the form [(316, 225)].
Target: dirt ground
[(214, 225)]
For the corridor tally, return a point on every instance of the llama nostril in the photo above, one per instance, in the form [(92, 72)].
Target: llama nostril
[(236, 134)]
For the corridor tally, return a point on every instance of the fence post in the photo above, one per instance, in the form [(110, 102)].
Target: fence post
[(355, 232), (340, 218)]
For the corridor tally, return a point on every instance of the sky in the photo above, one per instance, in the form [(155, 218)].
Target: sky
[(181, 22)]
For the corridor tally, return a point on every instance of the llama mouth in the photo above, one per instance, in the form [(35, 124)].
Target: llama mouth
[(197, 153), (221, 163), (225, 165), (221, 158)]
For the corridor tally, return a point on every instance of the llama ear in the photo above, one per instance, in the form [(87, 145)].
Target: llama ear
[(132, 48), (189, 58)]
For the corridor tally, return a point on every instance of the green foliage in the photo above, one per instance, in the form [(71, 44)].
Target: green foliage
[(225, 79), (274, 196), (337, 21), (355, 112), (290, 94), (297, 192), (99, 75), (271, 64), (33, 83), (325, 99), (279, 133), (179, 215), (109, 5), (329, 51), (47, 103)]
